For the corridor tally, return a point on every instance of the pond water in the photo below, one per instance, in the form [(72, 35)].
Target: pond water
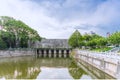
[(45, 68)]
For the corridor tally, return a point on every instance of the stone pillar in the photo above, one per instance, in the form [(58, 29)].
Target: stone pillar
[(60, 53), (65, 53), (55, 55), (55, 51), (45, 53), (69, 51), (50, 53), (40, 53)]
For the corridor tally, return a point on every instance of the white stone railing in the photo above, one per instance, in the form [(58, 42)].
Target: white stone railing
[(107, 63)]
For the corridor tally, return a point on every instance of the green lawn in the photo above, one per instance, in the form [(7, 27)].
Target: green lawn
[(102, 49)]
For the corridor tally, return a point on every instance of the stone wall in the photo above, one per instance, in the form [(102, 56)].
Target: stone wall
[(15, 53)]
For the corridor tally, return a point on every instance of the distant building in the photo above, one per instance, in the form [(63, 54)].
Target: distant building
[(108, 34), (92, 33)]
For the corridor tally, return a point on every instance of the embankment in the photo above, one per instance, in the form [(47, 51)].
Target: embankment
[(17, 52), (109, 64)]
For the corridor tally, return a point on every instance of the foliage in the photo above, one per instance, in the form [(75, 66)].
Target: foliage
[(103, 49), (87, 37), (101, 42), (17, 34), (92, 43), (2, 44), (88, 40), (115, 38), (92, 40), (75, 39)]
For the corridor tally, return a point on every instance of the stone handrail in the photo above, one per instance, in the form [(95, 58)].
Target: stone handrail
[(109, 64)]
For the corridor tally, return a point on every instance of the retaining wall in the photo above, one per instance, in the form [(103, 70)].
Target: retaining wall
[(15, 53)]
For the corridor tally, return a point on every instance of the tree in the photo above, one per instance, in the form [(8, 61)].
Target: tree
[(93, 40), (92, 43), (8, 38), (115, 38), (17, 33), (2, 44), (87, 37), (101, 42), (76, 39)]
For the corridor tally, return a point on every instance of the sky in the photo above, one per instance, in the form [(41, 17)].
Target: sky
[(58, 19)]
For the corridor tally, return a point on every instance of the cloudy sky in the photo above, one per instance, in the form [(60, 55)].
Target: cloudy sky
[(60, 18)]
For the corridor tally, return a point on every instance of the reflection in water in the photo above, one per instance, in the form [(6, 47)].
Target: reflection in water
[(75, 71), (54, 73), (41, 68), (19, 68)]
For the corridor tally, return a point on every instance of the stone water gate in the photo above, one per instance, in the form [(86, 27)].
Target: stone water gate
[(53, 48)]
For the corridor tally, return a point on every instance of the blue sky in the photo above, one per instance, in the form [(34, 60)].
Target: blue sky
[(60, 18)]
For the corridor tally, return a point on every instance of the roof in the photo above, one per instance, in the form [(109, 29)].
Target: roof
[(54, 43)]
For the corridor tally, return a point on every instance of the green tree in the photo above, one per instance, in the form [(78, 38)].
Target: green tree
[(8, 38), (17, 33), (115, 38), (76, 39), (87, 37), (2, 44), (92, 43), (101, 42), (91, 40)]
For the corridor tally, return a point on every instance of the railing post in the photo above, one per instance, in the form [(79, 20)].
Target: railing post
[(102, 66), (118, 70)]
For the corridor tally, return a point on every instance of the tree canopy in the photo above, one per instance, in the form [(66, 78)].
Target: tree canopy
[(87, 40), (115, 38), (76, 39), (16, 33)]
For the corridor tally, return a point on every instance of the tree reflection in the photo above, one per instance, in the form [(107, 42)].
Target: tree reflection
[(19, 69), (75, 71)]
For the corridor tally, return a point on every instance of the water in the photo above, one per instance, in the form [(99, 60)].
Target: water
[(45, 68)]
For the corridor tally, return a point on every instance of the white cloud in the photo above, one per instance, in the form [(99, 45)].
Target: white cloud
[(58, 19), (31, 13)]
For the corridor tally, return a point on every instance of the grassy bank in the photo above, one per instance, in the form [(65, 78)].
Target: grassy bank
[(102, 49)]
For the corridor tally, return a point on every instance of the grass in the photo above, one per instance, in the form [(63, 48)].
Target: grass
[(102, 49)]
